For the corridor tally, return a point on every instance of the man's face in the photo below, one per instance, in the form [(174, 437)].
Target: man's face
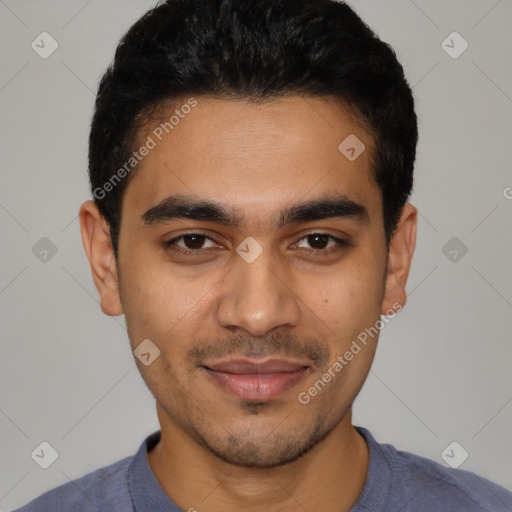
[(243, 334)]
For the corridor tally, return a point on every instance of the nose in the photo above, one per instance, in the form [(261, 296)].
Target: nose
[(258, 297)]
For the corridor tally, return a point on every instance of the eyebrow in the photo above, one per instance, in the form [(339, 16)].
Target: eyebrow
[(185, 207)]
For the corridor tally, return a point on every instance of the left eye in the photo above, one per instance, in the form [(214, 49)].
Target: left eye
[(320, 241)]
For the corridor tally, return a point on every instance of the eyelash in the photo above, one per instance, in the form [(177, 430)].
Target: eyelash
[(200, 252)]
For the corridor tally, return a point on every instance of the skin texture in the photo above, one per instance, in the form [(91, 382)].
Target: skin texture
[(219, 452)]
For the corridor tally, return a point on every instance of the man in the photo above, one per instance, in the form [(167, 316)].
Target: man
[(250, 163)]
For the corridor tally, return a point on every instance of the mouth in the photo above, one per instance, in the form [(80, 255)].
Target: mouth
[(256, 380)]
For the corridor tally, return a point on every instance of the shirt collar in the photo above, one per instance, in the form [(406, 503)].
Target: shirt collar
[(148, 496), (379, 479), (145, 490)]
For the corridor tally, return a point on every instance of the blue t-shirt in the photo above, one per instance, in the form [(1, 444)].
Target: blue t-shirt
[(397, 481)]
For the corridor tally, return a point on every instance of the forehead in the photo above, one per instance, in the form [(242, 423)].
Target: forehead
[(254, 157)]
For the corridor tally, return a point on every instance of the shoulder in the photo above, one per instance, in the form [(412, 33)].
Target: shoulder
[(89, 493), (423, 484)]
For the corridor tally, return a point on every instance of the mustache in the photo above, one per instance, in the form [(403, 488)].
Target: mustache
[(273, 344)]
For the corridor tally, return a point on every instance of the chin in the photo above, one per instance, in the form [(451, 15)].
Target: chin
[(265, 451)]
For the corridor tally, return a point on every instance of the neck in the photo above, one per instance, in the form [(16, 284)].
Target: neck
[(329, 477)]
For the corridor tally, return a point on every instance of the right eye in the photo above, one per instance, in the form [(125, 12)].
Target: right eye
[(190, 244)]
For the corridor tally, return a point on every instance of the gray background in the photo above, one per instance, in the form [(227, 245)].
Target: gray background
[(443, 368)]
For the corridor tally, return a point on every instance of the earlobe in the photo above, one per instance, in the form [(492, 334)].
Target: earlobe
[(401, 250), (98, 248)]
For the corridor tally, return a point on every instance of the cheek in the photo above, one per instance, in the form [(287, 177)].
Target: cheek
[(347, 299), (163, 305)]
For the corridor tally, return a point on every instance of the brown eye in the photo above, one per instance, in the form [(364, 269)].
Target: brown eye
[(317, 241), (322, 243), (191, 243)]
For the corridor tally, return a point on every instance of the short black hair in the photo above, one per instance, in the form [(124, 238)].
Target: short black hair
[(256, 50)]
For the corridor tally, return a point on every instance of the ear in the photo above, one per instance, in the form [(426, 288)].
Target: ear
[(98, 247), (401, 249)]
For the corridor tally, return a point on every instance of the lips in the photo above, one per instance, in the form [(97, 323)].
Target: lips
[(256, 380)]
